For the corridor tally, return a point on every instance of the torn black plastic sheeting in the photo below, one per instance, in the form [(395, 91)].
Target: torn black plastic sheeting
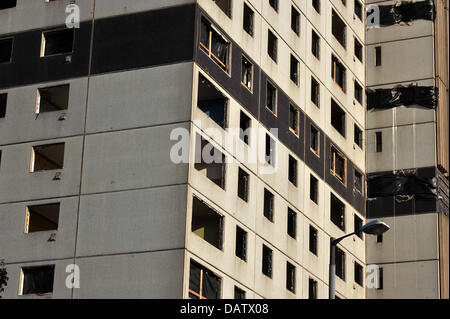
[(406, 12), (426, 96)]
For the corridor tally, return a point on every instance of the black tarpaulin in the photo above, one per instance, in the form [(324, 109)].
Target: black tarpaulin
[(425, 96), (406, 11)]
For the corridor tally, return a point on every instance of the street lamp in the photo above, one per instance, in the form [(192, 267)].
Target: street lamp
[(375, 227)]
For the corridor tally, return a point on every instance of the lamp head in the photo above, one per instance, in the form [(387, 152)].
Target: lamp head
[(375, 227)]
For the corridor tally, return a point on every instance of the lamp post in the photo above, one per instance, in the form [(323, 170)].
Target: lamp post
[(375, 227)]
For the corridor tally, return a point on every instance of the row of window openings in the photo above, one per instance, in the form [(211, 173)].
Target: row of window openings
[(7, 4)]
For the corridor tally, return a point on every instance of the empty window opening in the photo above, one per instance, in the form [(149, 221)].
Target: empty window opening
[(313, 240), (248, 19), (272, 46), (292, 223), (358, 50), (6, 4), (357, 225), (210, 161), (243, 184), (294, 116), (378, 142), (316, 5), (380, 238), (359, 273), (295, 20), (50, 99), (337, 212), (358, 93), (358, 181), (6, 46), (358, 10), (274, 4), (312, 289), (47, 157), (247, 73), (37, 280), (57, 42), (239, 293), (338, 72), (338, 28), (271, 98), (337, 117), (212, 102), (314, 189), (0, 158), (268, 205), (292, 171), (290, 277), (270, 150), (267, 261), (315, 92), (42, 218), (225, 6), (214, 44), (315, 47), (358, 136), (380, 278), (344, 2), (3, 100), (338, 164), (203, 283), (377, 56), (207, 223), (294, 69), (241, 243), (245, 125), (340, 263), (315, 140)]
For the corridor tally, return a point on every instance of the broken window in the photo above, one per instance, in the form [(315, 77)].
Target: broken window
[(270, 150), (274, 4), (248, 19), (272, 45), (340, 263), (357, 225), (50, 99), (338, 162), (315, 92), (6, 4), (312, 289), (212, 102), (239, 293), (57, 42), (210, 161), (316, 5), (245, 125), (315, 46), (358, 10), (315, 140), (294, 116), (337, 212), (292, 171), (313, 189), (358, 181), (358, 93), (42, 218), (203, 283), (37, 280), (271, 98), (337, 117), (358, 50), (338, 72), (268, 205), (214, 44), (358, 136), (359, 274), (3, 100), (338, 28), (295, 20), (377, 56), (225, 6), (313, 240), (290, 277), (47, 157), (292, 223), (6, 46), (247, 73), (243, 184), (378, 142), (207, 223), (294, 69), (267, 261), (241, 243)]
